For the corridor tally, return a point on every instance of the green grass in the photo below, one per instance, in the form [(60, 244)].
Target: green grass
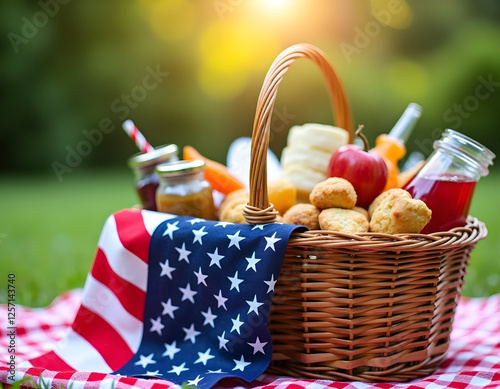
[(49, 231)]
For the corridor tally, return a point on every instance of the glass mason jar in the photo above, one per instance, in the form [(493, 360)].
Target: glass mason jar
[(447, 181), (143, 166), (184, 191)]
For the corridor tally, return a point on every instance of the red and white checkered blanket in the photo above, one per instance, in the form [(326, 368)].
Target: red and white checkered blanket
[(473, 360)]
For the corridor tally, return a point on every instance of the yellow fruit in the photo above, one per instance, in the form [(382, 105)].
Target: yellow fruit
[(282, 194)]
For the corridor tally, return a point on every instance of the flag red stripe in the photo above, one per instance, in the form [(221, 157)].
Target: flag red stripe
[(132, 233), (51, 361), (130, 296), (103, 337)]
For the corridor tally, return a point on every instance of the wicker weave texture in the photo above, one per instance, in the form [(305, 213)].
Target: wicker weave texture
[(357, 313)]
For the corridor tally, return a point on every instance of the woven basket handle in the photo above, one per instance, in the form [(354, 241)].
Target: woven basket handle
[(258, 210)]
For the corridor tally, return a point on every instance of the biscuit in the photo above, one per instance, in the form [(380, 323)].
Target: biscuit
[(400, 214), (233, 214), (303, 215), (334, 192), (362, 211), (388, 194), (233, 198), (343, 220)]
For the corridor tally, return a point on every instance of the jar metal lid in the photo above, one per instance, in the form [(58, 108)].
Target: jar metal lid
[(158, 155), (180, 167)]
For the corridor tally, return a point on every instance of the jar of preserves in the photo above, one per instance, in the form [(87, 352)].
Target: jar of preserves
[(143, 166), (447, 181), (184, 191)]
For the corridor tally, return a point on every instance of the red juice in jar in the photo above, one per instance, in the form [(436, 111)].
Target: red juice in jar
[(447, 181), (447, 195), (146, 181)]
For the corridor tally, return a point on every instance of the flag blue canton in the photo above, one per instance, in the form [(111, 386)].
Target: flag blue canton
[(209, 293)]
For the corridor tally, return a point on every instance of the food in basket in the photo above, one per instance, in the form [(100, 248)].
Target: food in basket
[(304, 160), (391, 193), (233, 213), (282, 194), (364, 169), (334, 192), (362, 211), (303, 214), (343, 220), (397, 212), (232, 204), (216, 173)]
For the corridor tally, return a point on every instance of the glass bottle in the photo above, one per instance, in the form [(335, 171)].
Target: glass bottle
[(143, 166), (391, 147), (184, 191), (447, 181)]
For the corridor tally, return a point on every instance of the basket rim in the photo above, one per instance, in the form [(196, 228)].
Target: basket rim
[(469, 234)]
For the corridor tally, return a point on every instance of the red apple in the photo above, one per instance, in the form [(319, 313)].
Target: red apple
[(365, 170)]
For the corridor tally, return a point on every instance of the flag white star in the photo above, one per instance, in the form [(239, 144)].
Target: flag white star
[(166, 269), (187, 293), (204, 357), (178, 369), (241, 364), (215, 258), (170, 350), (209, 317), (168, 308), (222, 341), (201, 277), (171, 228), (197, 220), (235, 282), (191, 333), (252, 261), (254, 305), (221, 300), (271, 283), (144, 361), (271, 240), (259, 227), (183, 253), (156, 325), (223, 224), (235, 240), (237, 323), (195, 382), (199, 234), (215, 371), (156, 372), (258, 346)]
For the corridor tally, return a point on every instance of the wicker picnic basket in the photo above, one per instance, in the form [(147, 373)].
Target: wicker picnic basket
[(369, 307)]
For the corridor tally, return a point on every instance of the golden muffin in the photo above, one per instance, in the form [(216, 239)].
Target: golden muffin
[(399, 214), (304, 215), (343, 220), (334, 192)]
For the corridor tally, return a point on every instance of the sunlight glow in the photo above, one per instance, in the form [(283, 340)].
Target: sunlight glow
[(274, 4)]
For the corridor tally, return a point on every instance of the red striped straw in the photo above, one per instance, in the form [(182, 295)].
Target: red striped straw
[(136, 136)]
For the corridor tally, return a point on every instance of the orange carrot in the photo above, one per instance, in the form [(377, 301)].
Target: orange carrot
[(216, 173)]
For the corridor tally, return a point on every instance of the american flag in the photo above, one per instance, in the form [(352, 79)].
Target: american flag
[(178, 298)]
